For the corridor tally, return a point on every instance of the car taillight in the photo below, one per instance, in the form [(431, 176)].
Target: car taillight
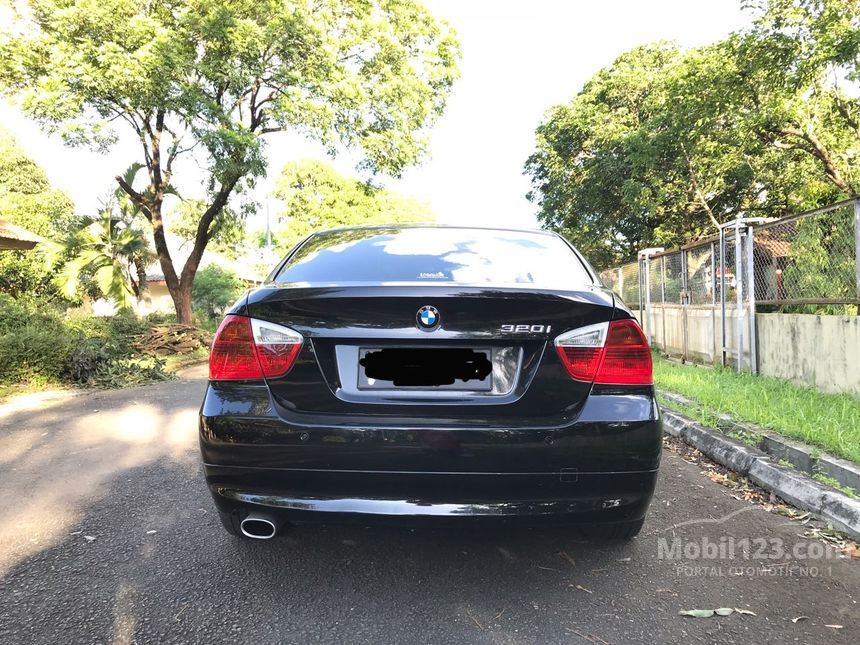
[(247, 348), (277, 347), (613, 353), (626, 357)]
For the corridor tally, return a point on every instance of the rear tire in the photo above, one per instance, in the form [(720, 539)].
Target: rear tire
[(617, 532)]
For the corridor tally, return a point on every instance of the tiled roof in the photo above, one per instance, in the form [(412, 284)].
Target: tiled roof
[(15, 237)]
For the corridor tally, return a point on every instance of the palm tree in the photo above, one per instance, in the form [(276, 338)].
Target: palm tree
[(131, 215), (111, 248), (107, 249)]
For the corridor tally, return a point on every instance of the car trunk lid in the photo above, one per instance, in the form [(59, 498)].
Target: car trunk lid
[(511, 328)]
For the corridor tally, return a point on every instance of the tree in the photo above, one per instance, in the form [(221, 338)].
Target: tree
[(664, 145), (212, 77), (799, 78), (317, 197), (228, 228), (28, 200), (216, 289), (106, 249), (130, 216)]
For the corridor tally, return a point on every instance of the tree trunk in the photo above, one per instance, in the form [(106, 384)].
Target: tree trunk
[(179, 286), (182, 302), (142, 294)]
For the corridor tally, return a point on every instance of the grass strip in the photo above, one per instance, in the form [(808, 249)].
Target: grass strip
[(829, 421)]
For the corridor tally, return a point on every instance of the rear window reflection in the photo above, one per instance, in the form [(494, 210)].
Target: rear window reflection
[(436, 256)]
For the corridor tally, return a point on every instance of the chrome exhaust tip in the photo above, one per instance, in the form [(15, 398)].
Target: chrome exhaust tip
[(259, 527)]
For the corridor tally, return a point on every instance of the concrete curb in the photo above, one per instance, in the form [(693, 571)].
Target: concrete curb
[(837, 508), (806, 458)]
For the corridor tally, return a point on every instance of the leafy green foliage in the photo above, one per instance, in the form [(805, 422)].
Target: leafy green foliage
[(27, 199), (105, 249), (212, 77), (39, 345), (97, 361), (318, 197), (228, 227), (664, 144), (38, 354), (215, 289)]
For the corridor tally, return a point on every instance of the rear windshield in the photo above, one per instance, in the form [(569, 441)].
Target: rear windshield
[(436, 255)]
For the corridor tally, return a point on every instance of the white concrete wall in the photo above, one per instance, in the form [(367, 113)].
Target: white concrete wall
[(822, 351)]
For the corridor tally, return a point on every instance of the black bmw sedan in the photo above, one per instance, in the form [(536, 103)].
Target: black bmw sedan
[(431, 372)]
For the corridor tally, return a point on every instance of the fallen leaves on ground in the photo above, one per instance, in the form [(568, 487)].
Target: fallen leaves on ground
[(852, 551), (834, 538), (744, 490)]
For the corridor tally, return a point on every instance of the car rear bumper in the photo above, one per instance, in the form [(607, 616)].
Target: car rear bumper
[(534, 497), (599, 466)]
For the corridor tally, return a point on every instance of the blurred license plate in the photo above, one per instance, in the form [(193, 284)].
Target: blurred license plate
[(438, 368)]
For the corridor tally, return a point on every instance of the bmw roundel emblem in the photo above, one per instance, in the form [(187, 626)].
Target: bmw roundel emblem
[(428, 318)]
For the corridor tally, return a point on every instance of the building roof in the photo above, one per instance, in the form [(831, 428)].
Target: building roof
[(16, 238)]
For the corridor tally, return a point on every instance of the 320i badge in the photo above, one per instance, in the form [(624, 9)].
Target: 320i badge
[(431, 372)]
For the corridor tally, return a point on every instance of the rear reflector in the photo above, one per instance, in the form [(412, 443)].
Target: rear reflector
[(613, 353), (246, 348)]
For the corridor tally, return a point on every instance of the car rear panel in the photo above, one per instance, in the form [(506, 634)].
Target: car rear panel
[(547, 423)]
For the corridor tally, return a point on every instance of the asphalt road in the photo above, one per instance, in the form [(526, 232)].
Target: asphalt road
[(107, 534)]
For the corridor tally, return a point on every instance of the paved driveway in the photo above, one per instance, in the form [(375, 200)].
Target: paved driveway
[(107, 534)]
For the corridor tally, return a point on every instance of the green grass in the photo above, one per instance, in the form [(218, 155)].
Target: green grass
[(829, 421), (175, 362), (9, 390), (829, 481)]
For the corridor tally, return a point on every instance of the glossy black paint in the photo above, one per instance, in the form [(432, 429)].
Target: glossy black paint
[(550, 449)]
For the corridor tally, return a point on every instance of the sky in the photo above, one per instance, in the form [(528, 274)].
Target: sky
[(519, 59)]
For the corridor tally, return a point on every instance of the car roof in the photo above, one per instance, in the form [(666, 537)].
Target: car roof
[(383, 227)]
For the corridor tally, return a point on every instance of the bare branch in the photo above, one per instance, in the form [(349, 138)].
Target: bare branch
[(699, 194), (814, 146)]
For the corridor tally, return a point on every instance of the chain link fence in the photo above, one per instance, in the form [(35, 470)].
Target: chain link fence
[(701, 300), (811, 258), (624, 281), (808, 259), (701, 275)]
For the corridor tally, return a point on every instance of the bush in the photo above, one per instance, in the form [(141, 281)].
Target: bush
[(36, 354), (38, 345), (119, 330), (96, 361), (89, 356), (22, 312)]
